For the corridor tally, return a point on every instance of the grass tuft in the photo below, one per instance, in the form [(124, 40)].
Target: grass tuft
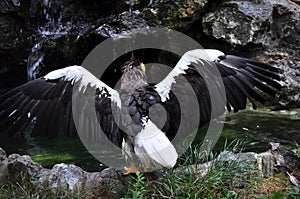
[(217, 180), (136, 189), (224, 176)]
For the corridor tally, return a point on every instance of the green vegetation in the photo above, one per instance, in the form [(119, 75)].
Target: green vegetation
[(136, 189), (227, 178), (280, 195), (30, 190), (218, 181), (224, 179), (47, 158), (297, 146)]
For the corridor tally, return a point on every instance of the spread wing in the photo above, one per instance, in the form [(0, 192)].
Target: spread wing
[(198, 89), (47, 101), (47, 104), (201, 81), (235, 80), (242, 77)]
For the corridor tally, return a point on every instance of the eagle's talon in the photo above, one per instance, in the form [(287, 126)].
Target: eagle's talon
[(131, 169)]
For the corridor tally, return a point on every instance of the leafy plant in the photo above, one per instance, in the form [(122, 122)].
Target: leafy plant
[(137, 188), (297, 151), (216, 180)]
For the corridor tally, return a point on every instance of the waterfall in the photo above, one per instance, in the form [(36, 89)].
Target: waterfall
[(52, 29), (35, 59), (131, 3)]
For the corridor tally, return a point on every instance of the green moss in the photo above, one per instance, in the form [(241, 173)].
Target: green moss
[(230, 134), (49, 159)]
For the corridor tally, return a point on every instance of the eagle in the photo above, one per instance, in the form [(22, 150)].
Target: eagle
[(127, 115)]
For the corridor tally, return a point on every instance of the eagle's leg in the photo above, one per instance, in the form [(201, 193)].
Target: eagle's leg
[(145, 167), (131, 169)]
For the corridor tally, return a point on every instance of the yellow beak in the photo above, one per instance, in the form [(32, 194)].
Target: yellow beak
[(143, 67)]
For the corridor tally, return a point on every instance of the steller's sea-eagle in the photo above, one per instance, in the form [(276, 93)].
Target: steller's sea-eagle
[(48, 101)]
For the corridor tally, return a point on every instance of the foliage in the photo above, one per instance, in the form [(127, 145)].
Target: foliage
[(137, 188), (31, 190), (218, 181), (297, 151), (225, 177), (280, 195)]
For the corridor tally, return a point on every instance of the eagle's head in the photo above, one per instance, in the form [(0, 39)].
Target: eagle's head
[(133, 75)]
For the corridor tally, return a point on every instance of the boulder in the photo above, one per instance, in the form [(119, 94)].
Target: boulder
[(22, 168), (13, 50), (178, 14), (267, 30), (7, 6), (267, 23), (3, 167), (278, 159), (72, 178), (285, 160), (17, 168)]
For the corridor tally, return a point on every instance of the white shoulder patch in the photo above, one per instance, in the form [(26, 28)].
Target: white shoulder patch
[(75, 74), (193, 56), (213, 54), (205, 54)]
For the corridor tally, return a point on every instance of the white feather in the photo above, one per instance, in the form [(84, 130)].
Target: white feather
[(126, 150), (213, 54), (194, 56), (75, 74), (152, 143)]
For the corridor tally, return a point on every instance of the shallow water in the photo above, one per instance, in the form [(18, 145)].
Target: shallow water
[(254, 128), (258, 128)]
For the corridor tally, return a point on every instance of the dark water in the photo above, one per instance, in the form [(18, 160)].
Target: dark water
[(255, 129)]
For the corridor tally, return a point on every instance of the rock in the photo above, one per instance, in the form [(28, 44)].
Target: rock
[(61, 11), (279, 159), (72, 48), (178, 14), (13, 47), (122, 25), (267, 23), (284, 158), (22, 168), (61, 26), (7, 6), (265, 163), (235, 23), (68, 177), (3, 167), (289, 63), (67, 30), (72, 178), (269, 29)]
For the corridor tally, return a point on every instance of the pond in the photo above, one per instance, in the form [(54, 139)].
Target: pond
[(254, 128)]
